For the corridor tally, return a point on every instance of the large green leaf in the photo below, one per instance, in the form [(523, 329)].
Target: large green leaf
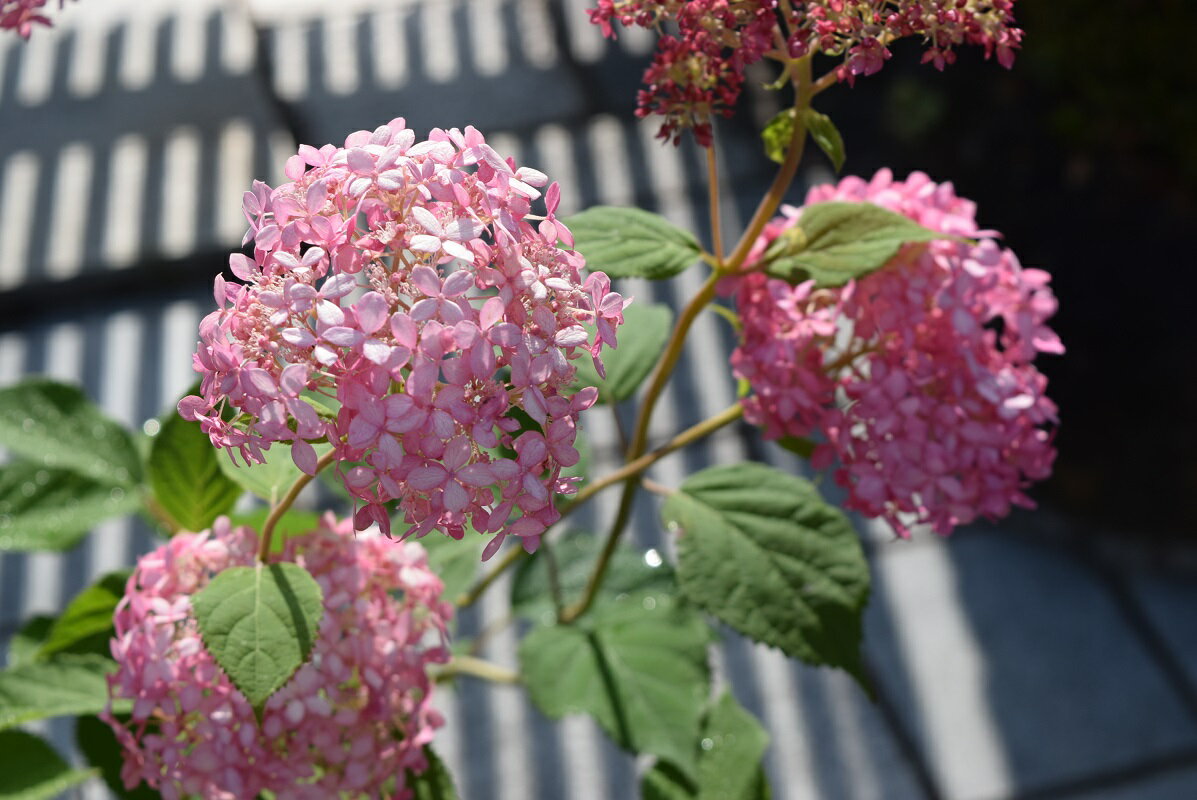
[(632, 243), (637, 665), (271, 479), (826, 135), (642, 338), (185, 475), (838, 242), (574, 556), (434, 783), (260, 623), (25, 644), (99, 746), (60, 687), (730, 750), (763, 552), (30, 769), (56, 426), (44, 508), (86, 625)]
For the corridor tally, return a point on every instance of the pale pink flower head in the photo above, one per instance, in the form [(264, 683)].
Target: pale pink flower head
[(918, 377), (409, 285), (352, 720)]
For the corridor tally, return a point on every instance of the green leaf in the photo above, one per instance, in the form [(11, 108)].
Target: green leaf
[(293, 523), (434, 783), (43, 508), (60, 687), (642, 338), (455, 562), (730, 749), (24, 645), (763, 552), (637, 665), (260, 623), (99, 746), (777, 134), (838, 242), (30, 769), (271, 479), (185, 475), (826, 135), (797, 444), (56, 426), (632, 243), (575, 555), (86, 625)]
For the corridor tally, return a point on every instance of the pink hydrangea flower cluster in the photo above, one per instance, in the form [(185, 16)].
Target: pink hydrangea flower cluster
[(410, 282), (861, 30), (918, 377), (349, 723), (22, 15), (699, 72)]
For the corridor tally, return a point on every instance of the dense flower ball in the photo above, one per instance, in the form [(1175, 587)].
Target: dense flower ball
[(918, 376), (410, 283), (349, 723), (698, 72)]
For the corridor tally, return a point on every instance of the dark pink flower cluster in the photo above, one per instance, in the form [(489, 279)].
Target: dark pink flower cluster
[(699, 72), (861, 30), (409, 282), (349, 723), (918, 376), (22, 15)]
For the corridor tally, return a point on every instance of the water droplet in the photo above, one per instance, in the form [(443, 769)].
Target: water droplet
[(649, 603), (708, 744), (41, 477), (28, 489), (98, 431), (151, 427), (122, 474), (117, 494), (672, 527), (652, 558), (28, 425), (49, 460)]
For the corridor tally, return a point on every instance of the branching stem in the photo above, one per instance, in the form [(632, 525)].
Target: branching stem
[(276, 513), (477, 668)]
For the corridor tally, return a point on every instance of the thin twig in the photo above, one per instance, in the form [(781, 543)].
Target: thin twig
[(478, 668), (469, 598), (276, 513)]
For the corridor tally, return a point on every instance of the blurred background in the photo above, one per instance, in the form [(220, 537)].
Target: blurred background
[(1051, 655)]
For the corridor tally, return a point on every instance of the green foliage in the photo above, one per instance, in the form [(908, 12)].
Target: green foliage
[(763, 552), (575, 556), (797, 445), (58, 687), (86, 625), (777, 134), (259, 623), (56, 426), (271, 479), (291, 524), (827, 136), (838, 242), (642, 338), (632, 243), (99, 746), (24, 645), (30, 769), (47, 508), (185, 475), (638, 665), (456, 562), (729, 754), (434, 783)]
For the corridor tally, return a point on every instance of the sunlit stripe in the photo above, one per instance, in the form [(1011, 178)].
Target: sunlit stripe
[(581, 748), (140, 53), (439, 39), (180, 332), (70, 205), (610, 150), (181, 163), (387, 43), (488, 40), (585, 40), (280, 146), (126, 200), (234, 176), (535, 29), (918, 584), (238, 44), (289, 43), (35, 68), (89, 50), (340, 53), (557, 161), (16, 216), (189, 41)]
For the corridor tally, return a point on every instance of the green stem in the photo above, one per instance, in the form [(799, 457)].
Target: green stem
[(630, 474), (478, 668), (284, 505), (713, 193), (514, 555)]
